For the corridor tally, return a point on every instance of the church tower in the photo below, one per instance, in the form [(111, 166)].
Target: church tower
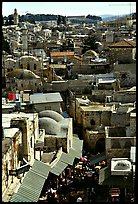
[(15, 17)]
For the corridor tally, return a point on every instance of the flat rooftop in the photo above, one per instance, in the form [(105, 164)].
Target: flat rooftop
[(96, 108), (6, 118)]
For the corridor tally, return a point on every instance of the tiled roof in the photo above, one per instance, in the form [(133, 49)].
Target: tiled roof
[(124, 43), (78, 58), (61, 54)]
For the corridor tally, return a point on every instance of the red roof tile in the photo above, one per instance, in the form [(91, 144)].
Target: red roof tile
[(61, 54)]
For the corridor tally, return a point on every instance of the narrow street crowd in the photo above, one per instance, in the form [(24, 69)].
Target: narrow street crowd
[(78, 183)]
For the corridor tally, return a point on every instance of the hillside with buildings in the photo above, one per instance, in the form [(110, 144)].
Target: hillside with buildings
[(68, 109)]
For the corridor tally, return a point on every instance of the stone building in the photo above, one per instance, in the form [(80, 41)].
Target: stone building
[(9, 65), (10, 157), (58, 130), (118, 142), (28, 124), (125, 96), (21, 80), (20, 134), (88, 56), (64, 58), (92, 118), (124, 50), (31, 63), (47, 101)]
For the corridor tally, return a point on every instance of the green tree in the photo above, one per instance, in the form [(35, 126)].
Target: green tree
[(89, 43), (64, 20), (5, 45), (11, 22), (59, 20)]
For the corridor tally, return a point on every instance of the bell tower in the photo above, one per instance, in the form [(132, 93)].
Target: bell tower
[(15, 17)]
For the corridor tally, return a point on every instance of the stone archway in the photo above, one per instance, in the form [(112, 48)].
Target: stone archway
[(100, 145)]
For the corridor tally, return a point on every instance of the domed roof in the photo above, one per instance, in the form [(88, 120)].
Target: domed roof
[(10, 59), (51, 126), (27, 57), (122, 165), (91, 52), (51, 114), (22, 74)]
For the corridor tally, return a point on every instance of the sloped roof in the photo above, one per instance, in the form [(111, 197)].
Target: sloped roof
[(124, 43), (61, 54), (46, 98)]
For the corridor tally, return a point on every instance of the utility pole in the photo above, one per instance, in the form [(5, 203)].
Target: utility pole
[(129, 4)]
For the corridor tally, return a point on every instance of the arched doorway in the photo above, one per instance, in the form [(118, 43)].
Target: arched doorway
[(100, 145)]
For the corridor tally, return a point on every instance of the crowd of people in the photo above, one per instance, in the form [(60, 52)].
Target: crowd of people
[(78, 183)]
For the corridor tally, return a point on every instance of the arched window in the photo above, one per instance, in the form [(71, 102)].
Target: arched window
[(21, 66), (34, 66), (128, 144), (28, 66), (92, 122)]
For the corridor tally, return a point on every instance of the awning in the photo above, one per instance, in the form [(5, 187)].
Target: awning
[(30, 189), (32, 185), (58, 168), (41, 168), (97, 158), (104, 174), (67, 158), (77, 143)]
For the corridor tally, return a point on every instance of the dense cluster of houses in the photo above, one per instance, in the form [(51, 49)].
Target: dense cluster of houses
[(50, 96)]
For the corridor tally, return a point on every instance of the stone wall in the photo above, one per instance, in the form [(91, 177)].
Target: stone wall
[(91, 137), (48, 106), (125, 96), (91, 68), (117, 142), (133, 124), (53, 143), (106, 118), (29, 135), (100, 95), (10, 161), (119, 119)]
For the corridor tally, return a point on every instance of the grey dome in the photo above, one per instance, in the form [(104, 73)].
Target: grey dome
[(51, 126), (22, 74), (122, 165), (51, 114)]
